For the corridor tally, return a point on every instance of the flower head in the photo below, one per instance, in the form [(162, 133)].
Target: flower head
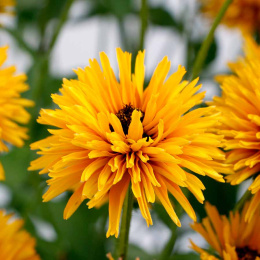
[(240, 120), (230, 239), (244, 14), (113, 134), (12, 107), (15, 243), (6, 5)]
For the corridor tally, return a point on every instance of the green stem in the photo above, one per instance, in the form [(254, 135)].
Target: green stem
[(123, 34), (207, 42), (144, 22), (167, 251), (122, 246), (41, 70), (20, 40), (62, 20), (247, 195)]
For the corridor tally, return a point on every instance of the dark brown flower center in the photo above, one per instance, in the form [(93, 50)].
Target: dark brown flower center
[(125, 116), (245, 253)]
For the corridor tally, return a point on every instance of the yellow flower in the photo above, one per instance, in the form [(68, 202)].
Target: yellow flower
[(15, 243), (113, 134), (240, 118), (6, 5), (12, 106), (231, 239), (244, 14)]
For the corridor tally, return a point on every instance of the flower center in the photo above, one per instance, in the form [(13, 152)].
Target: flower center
[(125, 116), (245, 253)]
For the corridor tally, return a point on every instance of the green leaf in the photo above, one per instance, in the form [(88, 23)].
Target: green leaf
[(189, 256), (134, 251), (160, 16), (222, 195)]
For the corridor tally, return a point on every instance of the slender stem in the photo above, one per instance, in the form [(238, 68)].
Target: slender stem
[(166, 252), (123, 35), (207, 42), (122, 246), (144, 22), (20, 40), (41, 70), (247, 195), (62, 20)]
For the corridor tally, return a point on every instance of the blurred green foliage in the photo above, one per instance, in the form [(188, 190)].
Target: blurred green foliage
[(83, 235)]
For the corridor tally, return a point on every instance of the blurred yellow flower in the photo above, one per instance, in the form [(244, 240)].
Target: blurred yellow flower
[(12, 107), (240, 118), (6, 5), (15, 243), (244, 14), (231, 239), (113, 134)]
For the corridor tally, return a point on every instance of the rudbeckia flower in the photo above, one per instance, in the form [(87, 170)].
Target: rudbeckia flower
[(6, 5), (12, 107), (244, 14), (230, 239), (240, 120), (15, 243), (110, 135)]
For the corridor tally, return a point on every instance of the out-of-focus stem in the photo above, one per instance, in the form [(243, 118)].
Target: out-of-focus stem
[(207, 42), (247, 195), (62, 20), (170, 245), (144, 23), (19, 39)]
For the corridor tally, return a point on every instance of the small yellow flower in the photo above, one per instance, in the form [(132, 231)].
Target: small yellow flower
[(244, 14), (113, 134), (12, 107), (240, 117), (231, 239), (15, 243), (6, 6)]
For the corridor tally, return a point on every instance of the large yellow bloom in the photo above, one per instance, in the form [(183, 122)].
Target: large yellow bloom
[(244, 14), (113, 134), (240, 118), (231, 239), (15, 243), (5, 6), (12, 107)]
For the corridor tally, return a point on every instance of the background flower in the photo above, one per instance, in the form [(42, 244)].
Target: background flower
[(5, 6), (244, 14), (231, 239), (240, 118), (12, 107), (15, 243)]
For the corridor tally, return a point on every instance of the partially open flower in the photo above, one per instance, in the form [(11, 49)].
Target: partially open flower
[(112, 135), (230, 239)]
